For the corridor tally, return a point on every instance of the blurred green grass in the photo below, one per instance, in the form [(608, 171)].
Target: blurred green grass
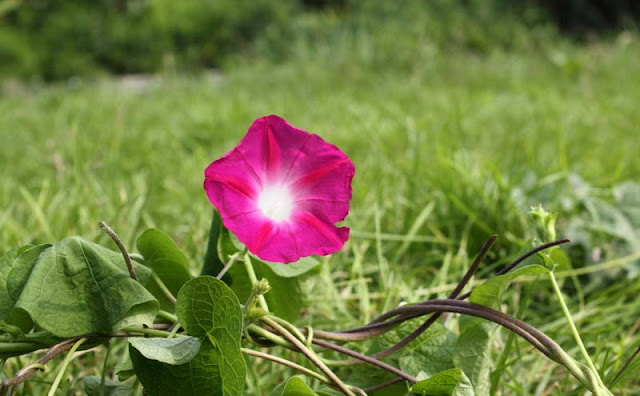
[(450, 146)]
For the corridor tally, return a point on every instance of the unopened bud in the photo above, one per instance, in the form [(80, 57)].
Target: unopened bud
[(262, 286)]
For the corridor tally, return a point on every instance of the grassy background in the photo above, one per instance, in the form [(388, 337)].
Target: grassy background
[(453, 138)]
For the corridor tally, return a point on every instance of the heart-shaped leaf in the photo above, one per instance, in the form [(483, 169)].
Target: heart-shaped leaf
[(211, 372), (207, 307), (209, 310), (165, 258), (77, 287)]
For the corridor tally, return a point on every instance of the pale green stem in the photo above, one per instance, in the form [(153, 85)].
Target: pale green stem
[(252, 277), (65, 364), (309, 353), (12, 347), (292, 329), (232, 259), (576, 335), (151, 332), (287, 363), (167, 316), (269, 336), (163, 288)]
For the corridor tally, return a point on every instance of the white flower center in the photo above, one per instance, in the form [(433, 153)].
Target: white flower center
[(276, 202)]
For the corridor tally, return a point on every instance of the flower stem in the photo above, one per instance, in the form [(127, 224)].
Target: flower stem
[(65, 364), (576, 335), (309, 353), (252, 277)]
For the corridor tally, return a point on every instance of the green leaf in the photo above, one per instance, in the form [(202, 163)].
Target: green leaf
[(206, 306), (208, 309), (174, 351), (77, 287), (294, 386), (163, 256), (490, 293), (6, 302), (452, 382), (430, 353), (18, 275), (124, 370), (93, 387), (211, 372), (12, 320), (167, 261), (472, 352)]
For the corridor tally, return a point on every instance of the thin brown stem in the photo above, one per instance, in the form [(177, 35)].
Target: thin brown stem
[(522, 258), (377, 323), (531, 252), (367, 359), (30, 370), (484, 250), (432, 319), (535, 337), (123, 249)]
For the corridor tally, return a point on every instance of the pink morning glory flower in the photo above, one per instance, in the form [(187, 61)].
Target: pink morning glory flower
[(282, 190)]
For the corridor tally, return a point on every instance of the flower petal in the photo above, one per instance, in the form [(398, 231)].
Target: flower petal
[(270, 146), (275, 158), (323, 176), (230, 186)]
